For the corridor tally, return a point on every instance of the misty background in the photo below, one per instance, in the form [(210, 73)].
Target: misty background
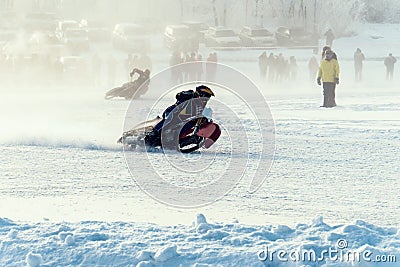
[(329, 13), (27, 53), (35, 62)]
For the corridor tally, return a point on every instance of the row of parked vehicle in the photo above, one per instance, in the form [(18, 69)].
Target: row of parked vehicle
[(187, 37), (47, 29)]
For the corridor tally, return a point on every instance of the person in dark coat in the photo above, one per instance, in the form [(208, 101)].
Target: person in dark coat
[(329, 37), (358, 64), (211, 67), (192, 68), (199, 67), (389, 63), (111, 69), (189, 104), (176, 72), (293, 68), (313, 67), (263, 65), (271, 67), (96, 70)]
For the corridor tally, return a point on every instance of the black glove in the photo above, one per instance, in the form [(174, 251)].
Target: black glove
[(184, 96), (337, 80), (319, 80)]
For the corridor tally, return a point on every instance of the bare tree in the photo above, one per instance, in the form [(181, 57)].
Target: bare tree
[(216, 23)]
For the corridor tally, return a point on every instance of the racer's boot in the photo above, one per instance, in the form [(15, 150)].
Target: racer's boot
[(153, 139)]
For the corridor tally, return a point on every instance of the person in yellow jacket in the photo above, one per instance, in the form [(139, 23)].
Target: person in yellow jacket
[(329, 73)]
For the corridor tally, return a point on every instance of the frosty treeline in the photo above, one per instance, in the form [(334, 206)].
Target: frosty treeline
[(313, 15)]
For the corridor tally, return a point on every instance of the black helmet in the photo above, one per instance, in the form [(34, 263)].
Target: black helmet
[(204, 91), (326, 48)]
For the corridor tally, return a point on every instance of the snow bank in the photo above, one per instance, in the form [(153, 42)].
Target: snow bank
[(33, 260), (138, 244)]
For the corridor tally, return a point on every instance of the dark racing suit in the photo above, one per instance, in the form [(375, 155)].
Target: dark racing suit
[(143, 79), (187, 105)]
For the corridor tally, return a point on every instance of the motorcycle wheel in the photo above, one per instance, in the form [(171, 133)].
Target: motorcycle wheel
[(189, 144)]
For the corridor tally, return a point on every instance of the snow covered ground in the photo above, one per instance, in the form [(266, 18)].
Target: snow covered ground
[(94, 243), (68, 197)]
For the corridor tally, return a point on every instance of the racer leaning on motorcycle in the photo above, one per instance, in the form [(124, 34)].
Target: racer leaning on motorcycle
[(144, 78), (188, 104), (143, 75)]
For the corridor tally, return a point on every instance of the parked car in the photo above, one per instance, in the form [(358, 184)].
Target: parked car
[(40, 22), (295, 37), (43, 38), (197, 28), (64, 25), (221, 37), (97, 30), (130, 37), (72, 64), (180, 38), (44, 43), (76, 39), (257, 37)]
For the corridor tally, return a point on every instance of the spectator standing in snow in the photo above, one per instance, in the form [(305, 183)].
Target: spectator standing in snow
[(293, 68), (334, 56), (111, 67), (389, 63), (271, 67), (329, 37), (329, 73), (211, 67), (176, 72), (263, 65), (185, 68), (96, 70), (358, 64), (281, 69), (208, 67), (313, 68), (192, 68), (199, 68)]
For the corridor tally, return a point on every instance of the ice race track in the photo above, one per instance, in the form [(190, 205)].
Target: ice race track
[(330, 198)]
